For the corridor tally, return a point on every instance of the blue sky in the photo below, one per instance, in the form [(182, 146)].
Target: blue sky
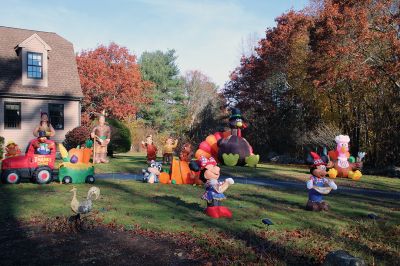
[(206, 34)]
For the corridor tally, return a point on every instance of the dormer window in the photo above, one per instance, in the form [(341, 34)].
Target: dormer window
[(34, 53), (35, 65)]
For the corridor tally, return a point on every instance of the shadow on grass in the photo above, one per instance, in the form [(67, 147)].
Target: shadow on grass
[(11, 232), (263, 246), (356, 238), (172, 202)]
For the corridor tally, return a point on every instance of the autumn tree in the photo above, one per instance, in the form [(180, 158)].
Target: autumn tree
[(111, 81), (356, 64), (267, 86), (334, 65), (204, 104)]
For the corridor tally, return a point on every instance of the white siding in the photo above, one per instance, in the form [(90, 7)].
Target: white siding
[(30, 111)]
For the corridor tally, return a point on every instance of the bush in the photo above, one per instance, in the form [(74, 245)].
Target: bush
[(1, 147), (76, 136), (120, 137)]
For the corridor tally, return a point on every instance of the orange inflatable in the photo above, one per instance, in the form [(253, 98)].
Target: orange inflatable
[(164, 178), (209, 147)]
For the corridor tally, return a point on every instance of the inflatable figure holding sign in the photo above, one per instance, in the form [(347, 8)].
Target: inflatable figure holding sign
[(101, 135)]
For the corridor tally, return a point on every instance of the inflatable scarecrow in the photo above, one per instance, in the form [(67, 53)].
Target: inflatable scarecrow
[(318, 185), (214, 194), (101, 135), (186, 152), (168, 150), (12, 149), (151, 149)]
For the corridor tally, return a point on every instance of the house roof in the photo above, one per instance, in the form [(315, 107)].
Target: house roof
[(63, 78)]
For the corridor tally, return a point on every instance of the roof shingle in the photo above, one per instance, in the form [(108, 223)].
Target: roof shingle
[(63, 77)]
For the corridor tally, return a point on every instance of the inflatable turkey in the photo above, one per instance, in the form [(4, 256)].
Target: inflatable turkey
[(229, 147), (340, 158)]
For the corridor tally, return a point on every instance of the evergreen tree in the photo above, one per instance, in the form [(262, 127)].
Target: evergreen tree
[(167, 109)]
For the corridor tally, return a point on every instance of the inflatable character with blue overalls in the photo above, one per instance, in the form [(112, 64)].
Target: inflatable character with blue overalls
[(318, 185)]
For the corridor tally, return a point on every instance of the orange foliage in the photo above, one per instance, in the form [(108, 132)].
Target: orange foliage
[(111, 80)]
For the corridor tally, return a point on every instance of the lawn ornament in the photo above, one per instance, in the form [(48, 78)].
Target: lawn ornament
[(267, 222), (186, 152), (180, 173), (229, 147), (12, 149), (151, 149), (214, 194), (318, 185), (344, 164), (168, 150), (101, 135), (45, 126), (37, 167), (151, 174), (85, 206), (43, 146), (76, 167)]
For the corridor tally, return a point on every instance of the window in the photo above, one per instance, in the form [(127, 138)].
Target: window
[(12, 115), (56, 115), (35, 65)]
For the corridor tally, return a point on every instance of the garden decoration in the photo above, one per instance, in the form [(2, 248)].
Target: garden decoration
[(318, 185), (214, 194), (179, 173), (43, 145), (344, 164), (151, 149), (168, 150), (85, 206), (45, 126), (76, 167), (151, 174), (12, 149), (37, 167), (101, 135), (229, 147), (186, 152)]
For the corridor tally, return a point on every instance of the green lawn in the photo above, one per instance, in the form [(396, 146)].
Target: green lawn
[(134, 162), (298, 236)]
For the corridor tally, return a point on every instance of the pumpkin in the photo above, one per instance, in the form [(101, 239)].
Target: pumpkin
[(164, 178)]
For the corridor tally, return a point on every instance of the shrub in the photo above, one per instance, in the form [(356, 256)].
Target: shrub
[(1, 147), (120, 137), (76, 136)]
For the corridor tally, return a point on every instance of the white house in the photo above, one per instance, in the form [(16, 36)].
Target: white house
[(38, 73)]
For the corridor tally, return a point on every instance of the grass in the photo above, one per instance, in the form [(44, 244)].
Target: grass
[(297, 234), (134, 162)]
